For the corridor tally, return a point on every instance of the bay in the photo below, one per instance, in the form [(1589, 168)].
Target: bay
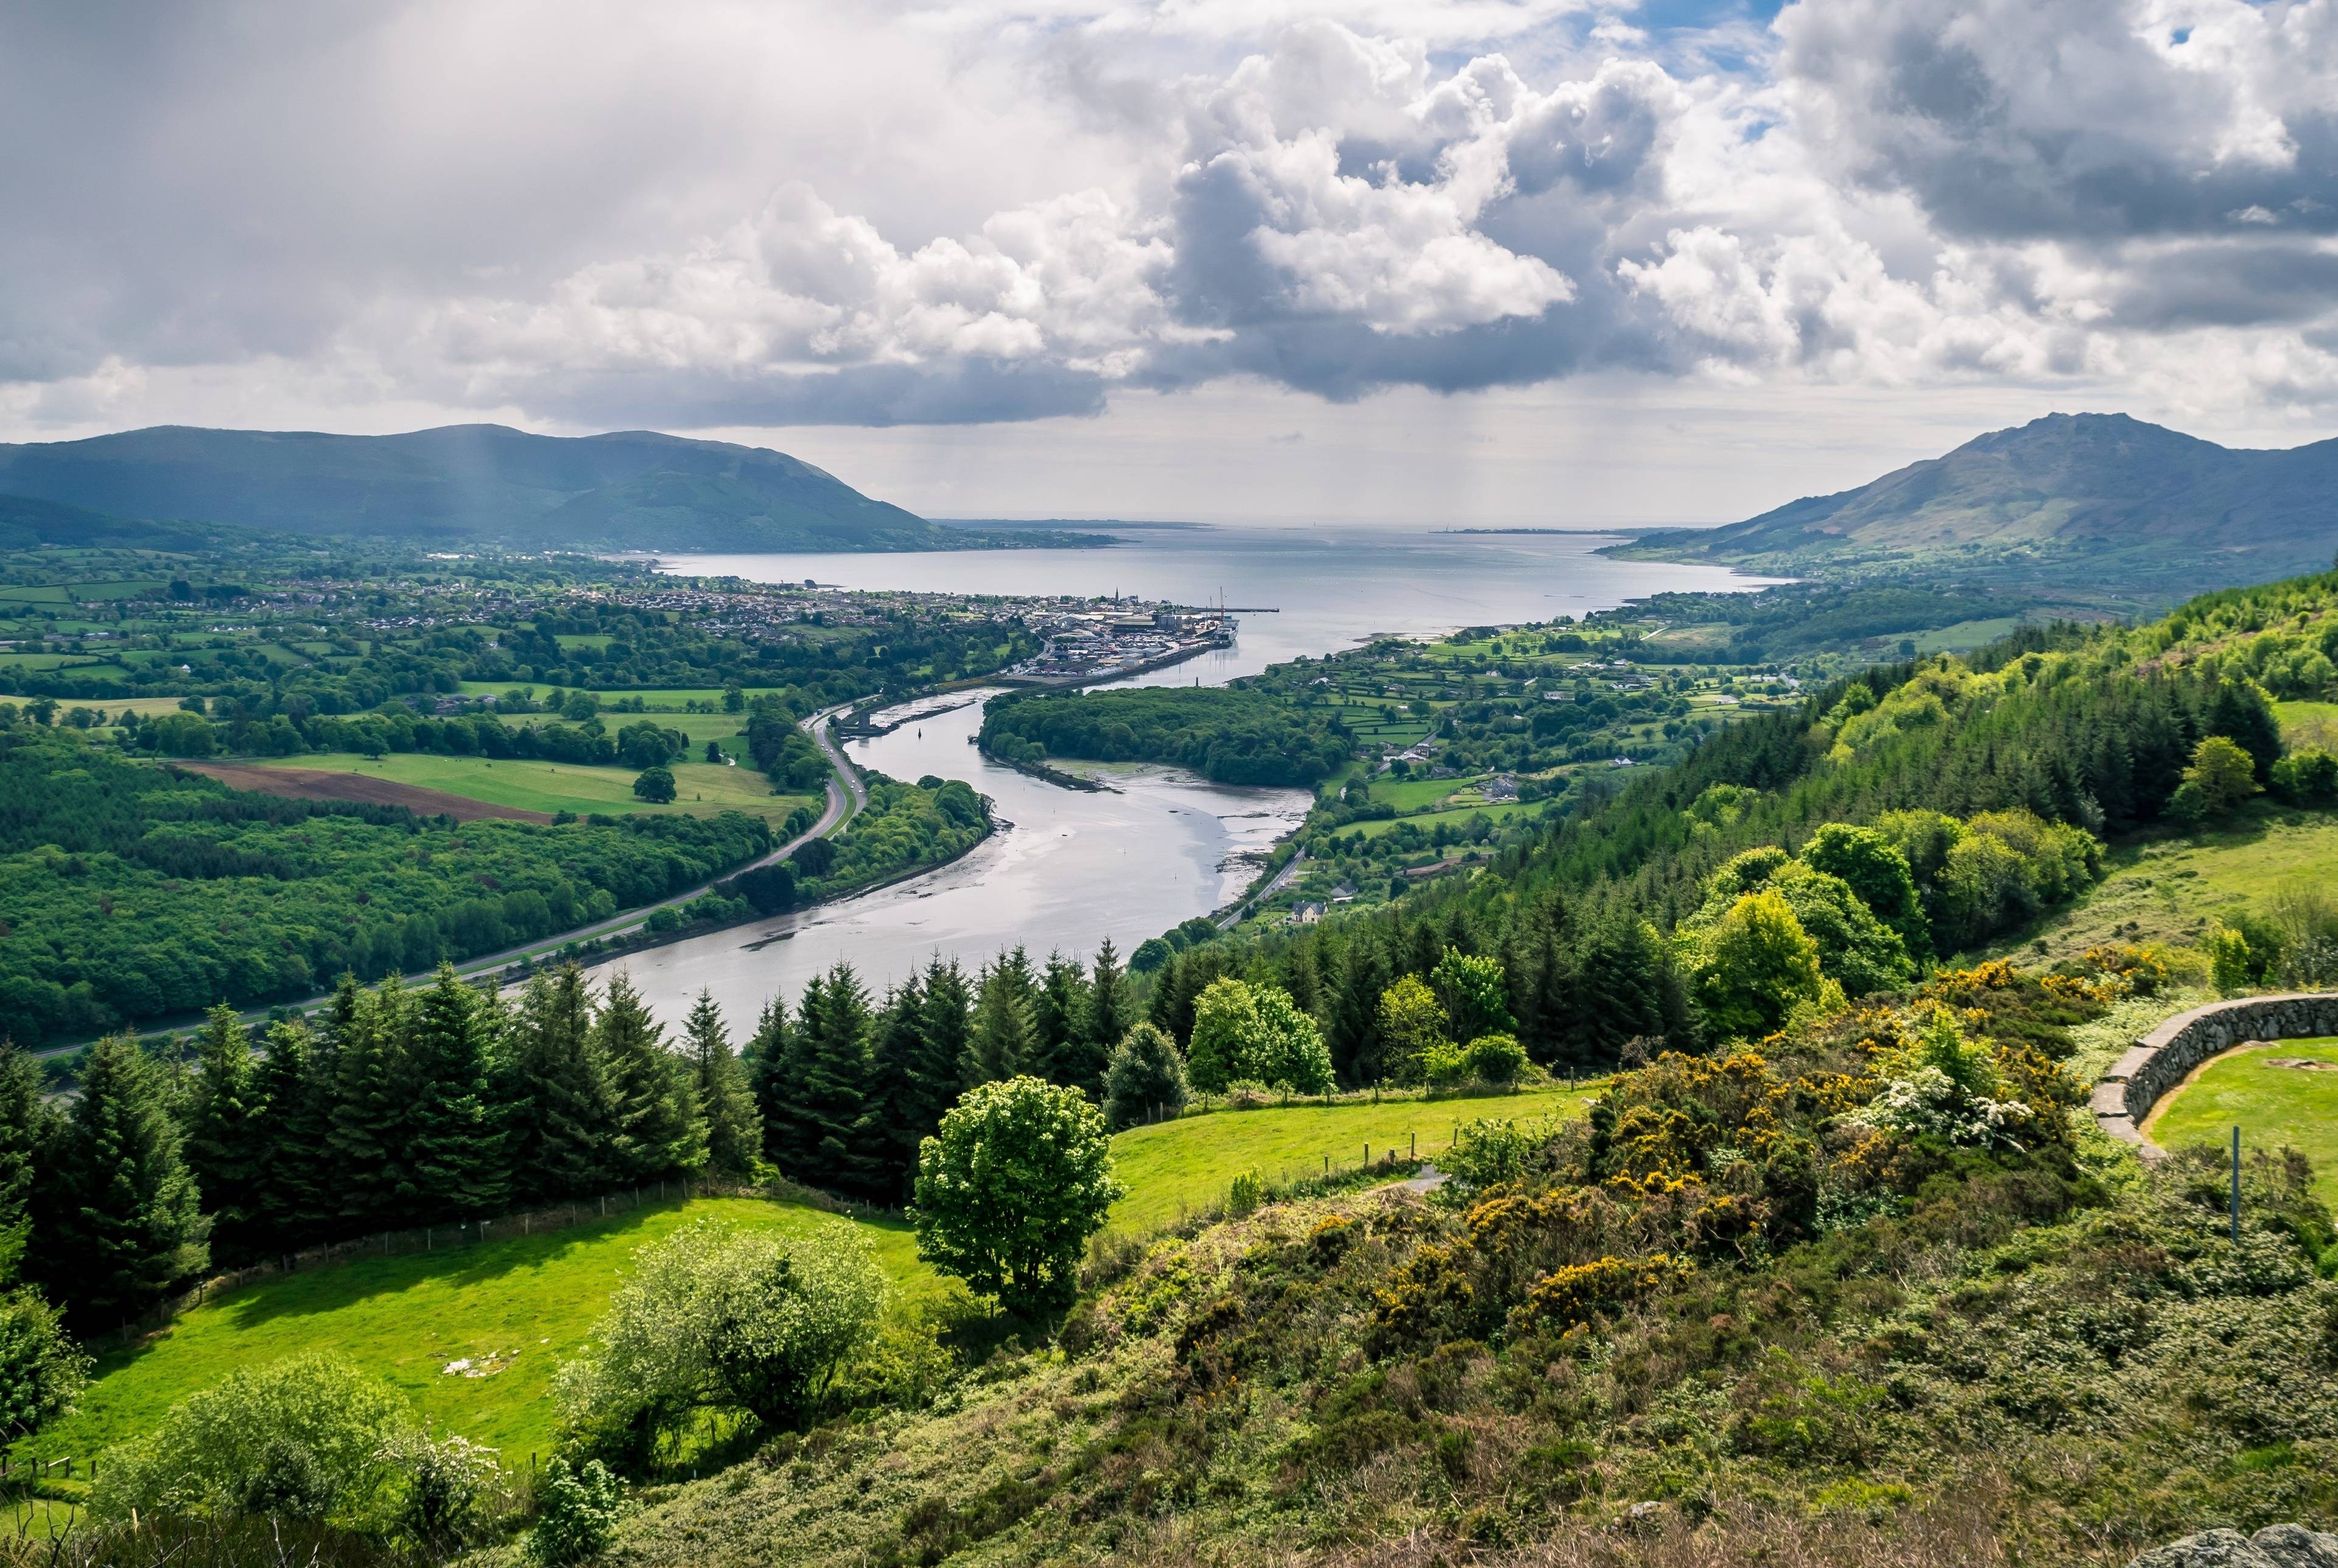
[(1072, 868)]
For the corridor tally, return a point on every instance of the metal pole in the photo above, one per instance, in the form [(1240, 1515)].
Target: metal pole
[(2237, 1186)]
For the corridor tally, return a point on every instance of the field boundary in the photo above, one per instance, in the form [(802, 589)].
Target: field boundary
[(2160, 1061)]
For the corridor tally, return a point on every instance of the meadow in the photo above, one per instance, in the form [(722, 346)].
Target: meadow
[(1186, 1167), (1427, 821), (512, 1309), (2273, 1106), (701, 789)]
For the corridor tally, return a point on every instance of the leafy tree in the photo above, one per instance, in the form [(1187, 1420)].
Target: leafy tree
[(221, 1143), (455, 1151), (655, 785), (1289, 1050), (2307, 777), (1753, 966), (714, 1317), (1146, 1078), (563, 1108), (2220, 777), (1226, 1037), (119, 1225), (1411, 1026), (1474, 994), (1010, 1187), (308, 1438), (660, 1132), (1875, 870), (734, 1132), (1855, 949)]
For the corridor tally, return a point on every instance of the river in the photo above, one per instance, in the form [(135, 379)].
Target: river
[(1074, 868)]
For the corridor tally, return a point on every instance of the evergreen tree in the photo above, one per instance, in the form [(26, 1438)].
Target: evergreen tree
[(1066, 1052), (119, 1224), (660, 1132), (897, 1051), (25, 1127), (293, 1101), (765, 1058), (1621, 981), (843, 1150), (368, 1142), (1001, 1043), (562, 1111), (948, 1028), (1358, 1056), (734, 1134), (455, 1150), (1111, 1007), (221, 1143), (1147, 1079)]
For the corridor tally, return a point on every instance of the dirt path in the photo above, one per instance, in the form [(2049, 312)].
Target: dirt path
[(317, 784)]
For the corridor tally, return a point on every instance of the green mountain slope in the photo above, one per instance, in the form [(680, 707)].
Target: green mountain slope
[(27, 524), (2141, 506), (478, 483)]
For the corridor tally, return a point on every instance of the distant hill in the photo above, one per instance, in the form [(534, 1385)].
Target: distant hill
[(2149, 506), (476, 484), (29, 524)]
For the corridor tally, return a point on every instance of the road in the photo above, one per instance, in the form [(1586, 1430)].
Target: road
[(847, 794)]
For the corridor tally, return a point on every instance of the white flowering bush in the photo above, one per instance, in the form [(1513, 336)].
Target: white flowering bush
[(1945, 1086), (717, 1318), (445, 1486)]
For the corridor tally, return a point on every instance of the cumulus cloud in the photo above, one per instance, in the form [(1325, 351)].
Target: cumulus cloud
[(718, 214)]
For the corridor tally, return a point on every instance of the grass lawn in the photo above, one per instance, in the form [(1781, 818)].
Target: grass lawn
[(1414, 794), (2271, 1105), (534, 784), (532, 1299), (1185, 1165), (2168, 889), (1964, 634)]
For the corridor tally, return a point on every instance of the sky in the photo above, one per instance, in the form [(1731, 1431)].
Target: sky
[(1493, 262)]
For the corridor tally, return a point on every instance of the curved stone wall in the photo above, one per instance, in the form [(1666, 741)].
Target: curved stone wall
[(2161, 1059)]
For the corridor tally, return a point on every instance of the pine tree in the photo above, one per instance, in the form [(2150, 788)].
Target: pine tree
[(660, 1132), (562, 1109), (940, 1074), (119, 1223), (1063, 1051), (842, 1150), (25, 1127), (1000, 1042), (221, 1143), (1358, 1056), (765, 1058), (455, 1147), (734, 1132), (368, 1142), (896, 1051), (292, 1099), (1111, 1008)]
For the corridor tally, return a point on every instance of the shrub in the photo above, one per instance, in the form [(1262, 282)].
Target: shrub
[(714, 1319), (1010, 1187), (447, 1485), (578, 1507), (1249, 1191), (1145, 1078), (2307, 777), (42, 1370), (308, 1438), (1495, 1058)]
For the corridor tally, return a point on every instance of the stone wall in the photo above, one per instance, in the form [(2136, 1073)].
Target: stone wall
[(2163, 1058)]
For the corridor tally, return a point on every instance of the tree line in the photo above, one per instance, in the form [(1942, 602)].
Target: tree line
[(1229, 735)]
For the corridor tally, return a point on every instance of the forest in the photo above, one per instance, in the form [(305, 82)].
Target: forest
[(1229, 735), (129, 893)]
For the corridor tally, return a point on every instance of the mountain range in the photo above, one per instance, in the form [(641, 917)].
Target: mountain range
[(480, 485), (2146, 506)]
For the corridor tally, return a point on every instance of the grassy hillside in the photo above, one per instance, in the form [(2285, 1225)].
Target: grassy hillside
[(519, 1306), (701, 789), (1184, 1167)]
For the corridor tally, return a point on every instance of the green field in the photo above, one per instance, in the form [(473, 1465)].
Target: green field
[(1427, 821), (2168, 889), (703, 787), (2272, 1106), (523, 1304), (1418, 794), (1964, 634), (1185, 1166)]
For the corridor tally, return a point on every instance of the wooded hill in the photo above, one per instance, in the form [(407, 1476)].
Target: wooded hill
[(480, 483)]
